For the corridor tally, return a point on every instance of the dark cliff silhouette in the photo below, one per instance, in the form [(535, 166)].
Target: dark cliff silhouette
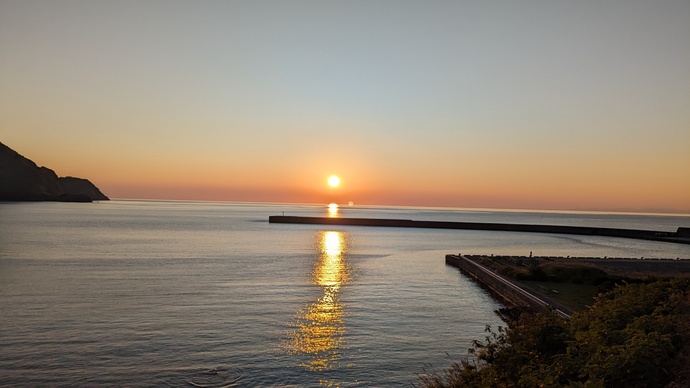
[(22, 180)]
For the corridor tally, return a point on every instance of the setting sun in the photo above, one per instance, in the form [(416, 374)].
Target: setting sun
[(333, 181)]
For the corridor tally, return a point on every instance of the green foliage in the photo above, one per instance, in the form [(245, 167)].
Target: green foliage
[(576, 296), (573, 273), (630, 338), (536, 272), (548, 271)]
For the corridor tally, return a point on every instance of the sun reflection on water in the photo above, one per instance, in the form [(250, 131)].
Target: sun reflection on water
[(319, 327), (333, 210)]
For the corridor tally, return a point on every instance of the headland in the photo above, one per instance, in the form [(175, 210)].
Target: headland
[(22, 180)]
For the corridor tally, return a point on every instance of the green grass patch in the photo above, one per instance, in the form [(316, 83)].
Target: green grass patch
[(575, 296)]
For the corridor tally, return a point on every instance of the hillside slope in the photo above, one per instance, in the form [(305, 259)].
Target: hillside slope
[(22, 180)]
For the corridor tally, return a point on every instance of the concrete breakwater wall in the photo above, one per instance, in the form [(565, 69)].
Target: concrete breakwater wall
[(506, 289), (675, 237)]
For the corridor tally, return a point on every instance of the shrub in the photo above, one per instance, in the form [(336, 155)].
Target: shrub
[(574, 273), (633, 336)]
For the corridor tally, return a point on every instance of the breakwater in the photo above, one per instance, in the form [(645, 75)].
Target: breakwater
[(681, 236), (508, 290)]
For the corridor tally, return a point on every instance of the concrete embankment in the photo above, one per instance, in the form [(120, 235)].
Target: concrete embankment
[(508, 290), (681, 236)]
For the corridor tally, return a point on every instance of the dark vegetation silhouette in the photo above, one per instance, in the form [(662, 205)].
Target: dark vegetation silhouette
[(636, 335)]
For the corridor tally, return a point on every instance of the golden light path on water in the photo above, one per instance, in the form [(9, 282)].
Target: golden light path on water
[(333, 210), (319, 327)]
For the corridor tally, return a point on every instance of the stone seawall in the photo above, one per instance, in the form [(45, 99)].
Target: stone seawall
[(508, 290), (673, 237)]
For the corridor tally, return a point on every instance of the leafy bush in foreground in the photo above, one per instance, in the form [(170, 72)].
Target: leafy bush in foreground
[(634, 336)]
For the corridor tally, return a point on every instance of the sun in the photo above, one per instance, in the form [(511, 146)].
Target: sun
[(333, 181)]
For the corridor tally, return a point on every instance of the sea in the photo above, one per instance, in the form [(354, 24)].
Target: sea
[(209, 294)]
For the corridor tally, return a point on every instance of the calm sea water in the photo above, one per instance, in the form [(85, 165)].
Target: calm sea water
[(142, 293)]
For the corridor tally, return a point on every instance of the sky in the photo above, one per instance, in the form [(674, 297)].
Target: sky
[(570, 105)]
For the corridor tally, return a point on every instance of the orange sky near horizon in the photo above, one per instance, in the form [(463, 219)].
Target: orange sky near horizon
[(600, 185), (455, 104)]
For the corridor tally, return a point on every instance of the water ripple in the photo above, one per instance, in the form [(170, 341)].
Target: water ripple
[(218, 377)]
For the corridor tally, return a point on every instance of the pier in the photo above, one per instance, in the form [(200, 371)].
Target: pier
[(509, 290), (681, 236)]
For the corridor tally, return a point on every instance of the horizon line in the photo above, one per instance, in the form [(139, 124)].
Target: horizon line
[(476, 209)]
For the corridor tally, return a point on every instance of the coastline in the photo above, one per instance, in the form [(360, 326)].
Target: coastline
[(541, 276), (508, 290)]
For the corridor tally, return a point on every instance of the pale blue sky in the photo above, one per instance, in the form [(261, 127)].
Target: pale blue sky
[(432, 99)]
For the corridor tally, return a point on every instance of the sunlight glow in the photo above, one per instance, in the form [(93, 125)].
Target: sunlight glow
[(333, 181)]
